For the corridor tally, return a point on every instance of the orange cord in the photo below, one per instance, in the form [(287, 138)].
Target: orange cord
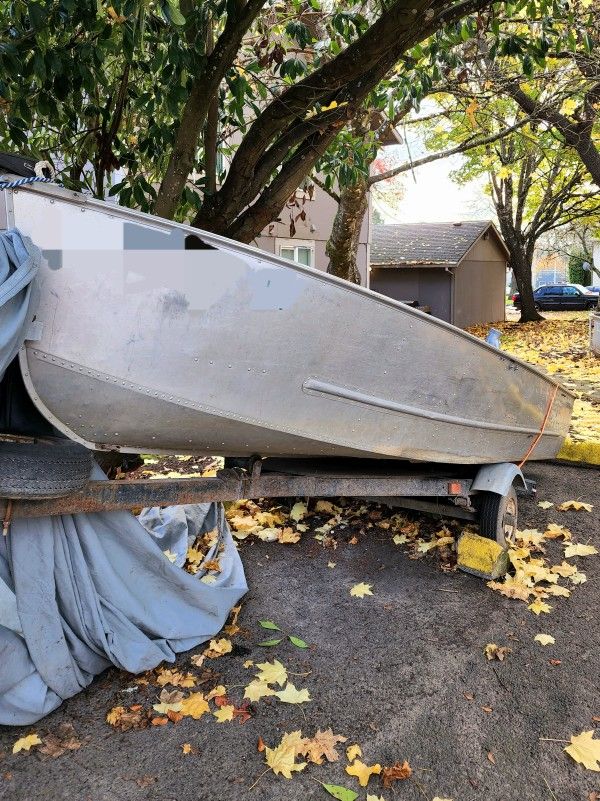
[(541, 431)]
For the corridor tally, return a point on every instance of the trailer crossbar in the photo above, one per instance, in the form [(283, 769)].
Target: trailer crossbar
[(234, 484)]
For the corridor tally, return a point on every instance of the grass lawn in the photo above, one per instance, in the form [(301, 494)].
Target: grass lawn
[(560, 346)]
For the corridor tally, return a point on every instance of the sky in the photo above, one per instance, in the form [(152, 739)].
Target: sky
[(430, 195)]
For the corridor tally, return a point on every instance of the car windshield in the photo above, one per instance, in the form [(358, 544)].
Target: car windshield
[(580, 288)]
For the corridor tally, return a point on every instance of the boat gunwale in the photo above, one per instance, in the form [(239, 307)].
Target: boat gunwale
[(78, 198)]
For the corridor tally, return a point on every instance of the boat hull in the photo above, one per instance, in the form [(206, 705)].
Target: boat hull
[(144, 345)]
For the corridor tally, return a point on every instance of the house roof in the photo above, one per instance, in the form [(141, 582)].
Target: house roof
[(434, 244)]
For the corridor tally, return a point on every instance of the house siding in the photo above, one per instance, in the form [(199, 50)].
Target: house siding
[(431, 286), (320, 213), (479, 285)]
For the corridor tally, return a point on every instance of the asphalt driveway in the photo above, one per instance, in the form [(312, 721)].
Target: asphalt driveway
[(402, 673)]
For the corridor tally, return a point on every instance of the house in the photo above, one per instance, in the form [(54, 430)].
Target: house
[(457, 270), (302, 229)]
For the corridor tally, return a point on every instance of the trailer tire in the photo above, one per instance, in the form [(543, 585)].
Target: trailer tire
[(43, 470), (498, 516)]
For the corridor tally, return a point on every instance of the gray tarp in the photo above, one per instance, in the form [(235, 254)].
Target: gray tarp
[(79, 593)]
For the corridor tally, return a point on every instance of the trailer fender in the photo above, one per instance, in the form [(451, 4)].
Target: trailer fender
[(497, 478)]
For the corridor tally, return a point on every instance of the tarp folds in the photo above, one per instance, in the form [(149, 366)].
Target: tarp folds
[(19, 263), (79, 593), (90, 591)]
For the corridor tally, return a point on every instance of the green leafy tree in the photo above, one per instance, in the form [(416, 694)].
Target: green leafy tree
[(535, 184)]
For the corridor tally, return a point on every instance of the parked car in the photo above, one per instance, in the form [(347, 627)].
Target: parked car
[(595, 289), (561, 297)]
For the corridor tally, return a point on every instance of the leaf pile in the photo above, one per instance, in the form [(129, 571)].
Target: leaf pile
[(560, 347)]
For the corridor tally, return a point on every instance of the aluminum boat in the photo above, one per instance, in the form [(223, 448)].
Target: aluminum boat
[(152, 336)]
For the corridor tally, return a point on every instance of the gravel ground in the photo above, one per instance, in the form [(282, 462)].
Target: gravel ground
[(402, 673)]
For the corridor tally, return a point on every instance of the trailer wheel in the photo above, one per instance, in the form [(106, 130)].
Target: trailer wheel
[(43, 470), (498, 516)]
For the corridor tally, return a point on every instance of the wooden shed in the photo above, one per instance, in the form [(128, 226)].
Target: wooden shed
[(458, 270)]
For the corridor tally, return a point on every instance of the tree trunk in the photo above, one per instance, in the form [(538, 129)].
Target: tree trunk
[(342, 245), (521, 263)]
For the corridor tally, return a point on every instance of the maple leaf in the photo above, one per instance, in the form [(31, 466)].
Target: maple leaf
[(584, 749), (565, 569), (169, 702), (352, 752), (493, 651), (282, 759), (291, 695), (511, 587), (577, 549), (298, 512), (545, 504), (212, 564), (224, 713), (269, 534), (288, 536), (322, 745), (218, 690), (371, 797), (258, 689), (272, 672), (360, 590), (176, 678), (539, 606), (396, 773), (326, 507), (26, 743), (362, 772), (243, 523), (242, 712), (194, 706), (578, 578), (65, 739), (114, 715), (187, 748), (209, 579), (554, 531), (544, 639), (218, 648), (399, 539), (578, 506), (556, 589)]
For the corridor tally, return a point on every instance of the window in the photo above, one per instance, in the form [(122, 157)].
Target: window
[(300, 252), (570, 290)]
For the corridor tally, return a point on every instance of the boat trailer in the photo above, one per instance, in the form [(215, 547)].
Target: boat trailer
[(483, 494)]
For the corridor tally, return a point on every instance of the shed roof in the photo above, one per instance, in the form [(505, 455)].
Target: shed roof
[(417, 244)]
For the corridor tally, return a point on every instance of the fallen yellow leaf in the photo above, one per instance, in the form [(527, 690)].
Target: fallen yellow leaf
[(282, 759), (194, 706), (217, 648), (539, 606), (291, 695), (578, 506), (577, 549), (258, 689), (544, 639), (26, 743), (272, 672), (224, 713), (352, 752), (363, 772), (586, 750), (360, 590)]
